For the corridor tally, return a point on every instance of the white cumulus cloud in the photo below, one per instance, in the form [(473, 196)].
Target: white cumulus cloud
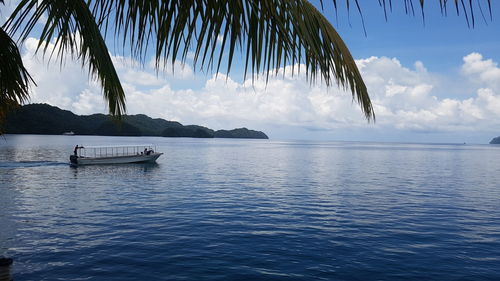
[(404, 98)]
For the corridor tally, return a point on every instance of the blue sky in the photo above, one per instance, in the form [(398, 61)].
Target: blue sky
[(438, 42), (432, 81)]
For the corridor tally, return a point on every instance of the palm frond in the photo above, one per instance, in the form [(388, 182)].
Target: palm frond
[(270, 34), (72, 27), (14, 78)]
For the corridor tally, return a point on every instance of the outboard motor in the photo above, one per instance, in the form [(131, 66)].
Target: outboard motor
[(73, 159)]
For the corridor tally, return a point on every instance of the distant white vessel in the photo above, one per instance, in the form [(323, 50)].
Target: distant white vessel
[(70, 133), (93, 155)]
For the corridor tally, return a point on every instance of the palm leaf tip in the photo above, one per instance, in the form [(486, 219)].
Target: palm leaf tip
[(328, 54)]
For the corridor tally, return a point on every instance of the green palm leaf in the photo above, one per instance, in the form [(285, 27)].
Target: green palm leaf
[(14, 78), (73, 28), (271, 33)]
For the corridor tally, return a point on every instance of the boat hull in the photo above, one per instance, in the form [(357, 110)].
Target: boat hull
[(117, 159)]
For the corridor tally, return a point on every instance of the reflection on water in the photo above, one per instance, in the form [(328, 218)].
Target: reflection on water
[(245, 209)]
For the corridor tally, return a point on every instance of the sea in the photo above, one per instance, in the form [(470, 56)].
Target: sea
[(235, 209)]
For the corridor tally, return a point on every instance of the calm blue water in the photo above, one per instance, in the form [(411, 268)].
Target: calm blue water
[(251, 210)]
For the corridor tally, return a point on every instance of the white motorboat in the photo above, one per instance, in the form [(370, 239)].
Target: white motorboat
[(93, 155)]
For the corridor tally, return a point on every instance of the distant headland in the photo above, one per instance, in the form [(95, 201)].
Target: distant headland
[(51, 120), (495, 140)]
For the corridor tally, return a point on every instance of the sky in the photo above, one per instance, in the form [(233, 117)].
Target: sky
[(434, 81)]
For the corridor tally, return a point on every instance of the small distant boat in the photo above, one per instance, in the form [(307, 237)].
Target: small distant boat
[(94, 155), (70, 133)]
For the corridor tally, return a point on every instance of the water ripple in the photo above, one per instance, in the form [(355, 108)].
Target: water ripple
[(29, 164), (233, 210)]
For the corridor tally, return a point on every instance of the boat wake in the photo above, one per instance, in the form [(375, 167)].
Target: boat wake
[(29, 164)]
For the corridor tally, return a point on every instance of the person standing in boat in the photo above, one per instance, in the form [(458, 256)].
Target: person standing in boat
[(76, 149)]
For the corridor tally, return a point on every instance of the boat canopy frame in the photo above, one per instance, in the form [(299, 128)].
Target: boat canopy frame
[(114, 151)]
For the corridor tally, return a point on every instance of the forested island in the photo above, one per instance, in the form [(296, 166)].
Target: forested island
[(495, 140), (51, 120)]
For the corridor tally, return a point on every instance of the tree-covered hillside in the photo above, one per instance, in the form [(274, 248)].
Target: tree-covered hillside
[(51, 120)]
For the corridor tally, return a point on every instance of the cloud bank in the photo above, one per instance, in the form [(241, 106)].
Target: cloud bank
[(405, 98)]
